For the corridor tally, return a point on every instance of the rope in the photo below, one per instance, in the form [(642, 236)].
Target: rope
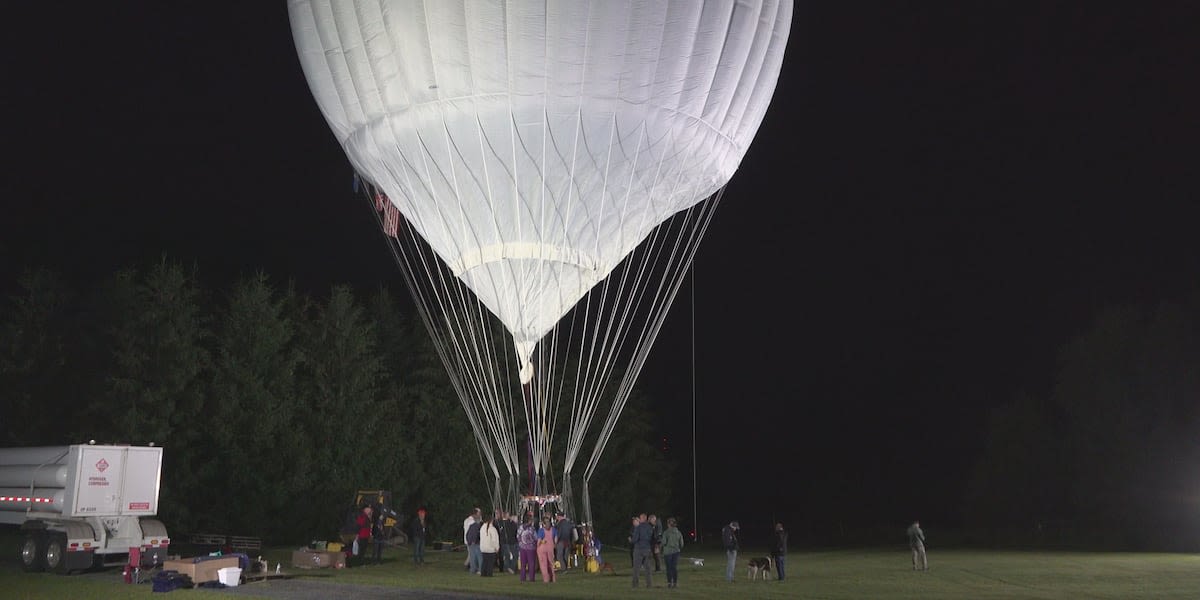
[(695, 495), (606, 339)]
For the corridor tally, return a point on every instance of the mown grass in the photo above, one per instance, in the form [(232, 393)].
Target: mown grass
[(842, 574)]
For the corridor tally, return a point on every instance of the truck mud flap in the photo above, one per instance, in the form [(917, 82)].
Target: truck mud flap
[(81, 560)]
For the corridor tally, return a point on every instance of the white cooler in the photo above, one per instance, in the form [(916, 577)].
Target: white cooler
[(229, 576)]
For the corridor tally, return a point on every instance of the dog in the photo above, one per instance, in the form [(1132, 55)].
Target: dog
[(696, 562), (759, 566)]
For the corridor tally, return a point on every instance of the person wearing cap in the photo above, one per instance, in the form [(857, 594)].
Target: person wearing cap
[(730, 541)]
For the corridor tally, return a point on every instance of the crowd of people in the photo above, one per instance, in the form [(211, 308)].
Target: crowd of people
[(529, 546)]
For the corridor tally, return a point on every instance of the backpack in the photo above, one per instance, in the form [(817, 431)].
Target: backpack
[(166, 581)]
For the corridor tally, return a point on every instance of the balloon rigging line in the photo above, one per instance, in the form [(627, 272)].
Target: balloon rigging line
[(453, 310), (554, 289), (695, 501), (488, 419), (473, 352), (654, 324), (635, 365), (440, 346)]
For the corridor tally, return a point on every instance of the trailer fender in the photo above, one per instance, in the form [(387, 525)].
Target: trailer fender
[(33, 525), (81, 545), (155, 542)]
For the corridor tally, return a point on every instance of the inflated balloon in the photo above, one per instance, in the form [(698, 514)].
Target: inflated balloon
[(531, 160), (534, 145)]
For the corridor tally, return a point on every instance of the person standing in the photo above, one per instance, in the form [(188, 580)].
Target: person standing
[(527, 541), (591, 549), (916, 543), (729, 540), (508, 541), (364, 523), (470, 520), (632, 527), (656, 545), (672, 545), (565, 528), (489, 546), (779, 549), (419, 532), (547, 537), (643, 542), (474, 556), (378, 534)]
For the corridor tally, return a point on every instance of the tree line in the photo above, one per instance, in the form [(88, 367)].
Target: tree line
[(1109, 455), (272, 406)]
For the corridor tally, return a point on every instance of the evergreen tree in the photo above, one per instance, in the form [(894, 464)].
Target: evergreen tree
[(1115, 437), (1012, 494), (633, 475), (436, 461), (156, 336), (155, 370), (251, 423), (36, 384), (343, 408)]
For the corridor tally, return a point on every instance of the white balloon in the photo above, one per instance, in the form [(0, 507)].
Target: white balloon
[(534, 145)]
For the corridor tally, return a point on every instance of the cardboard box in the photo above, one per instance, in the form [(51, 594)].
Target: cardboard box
[(318, 559), (200, 572)]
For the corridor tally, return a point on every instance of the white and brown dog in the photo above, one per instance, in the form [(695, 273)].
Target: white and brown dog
[(759, 566)]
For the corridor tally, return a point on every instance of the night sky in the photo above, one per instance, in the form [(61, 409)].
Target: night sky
[(942, 195)]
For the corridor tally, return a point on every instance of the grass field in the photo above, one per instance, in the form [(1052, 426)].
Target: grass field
[(842, 574)]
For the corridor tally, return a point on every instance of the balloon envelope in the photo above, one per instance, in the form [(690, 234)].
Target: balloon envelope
[(534, 145)]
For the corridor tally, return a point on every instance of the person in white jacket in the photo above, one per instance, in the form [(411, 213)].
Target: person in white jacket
[(470, 520), (489, 545)]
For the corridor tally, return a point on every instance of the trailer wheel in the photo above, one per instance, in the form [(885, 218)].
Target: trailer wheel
[(32, 548), (56, 552)]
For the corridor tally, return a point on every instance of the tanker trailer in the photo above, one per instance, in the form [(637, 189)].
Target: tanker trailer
[(84, 505)]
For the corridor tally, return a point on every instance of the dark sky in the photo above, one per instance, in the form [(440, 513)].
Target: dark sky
[(941, 195)]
